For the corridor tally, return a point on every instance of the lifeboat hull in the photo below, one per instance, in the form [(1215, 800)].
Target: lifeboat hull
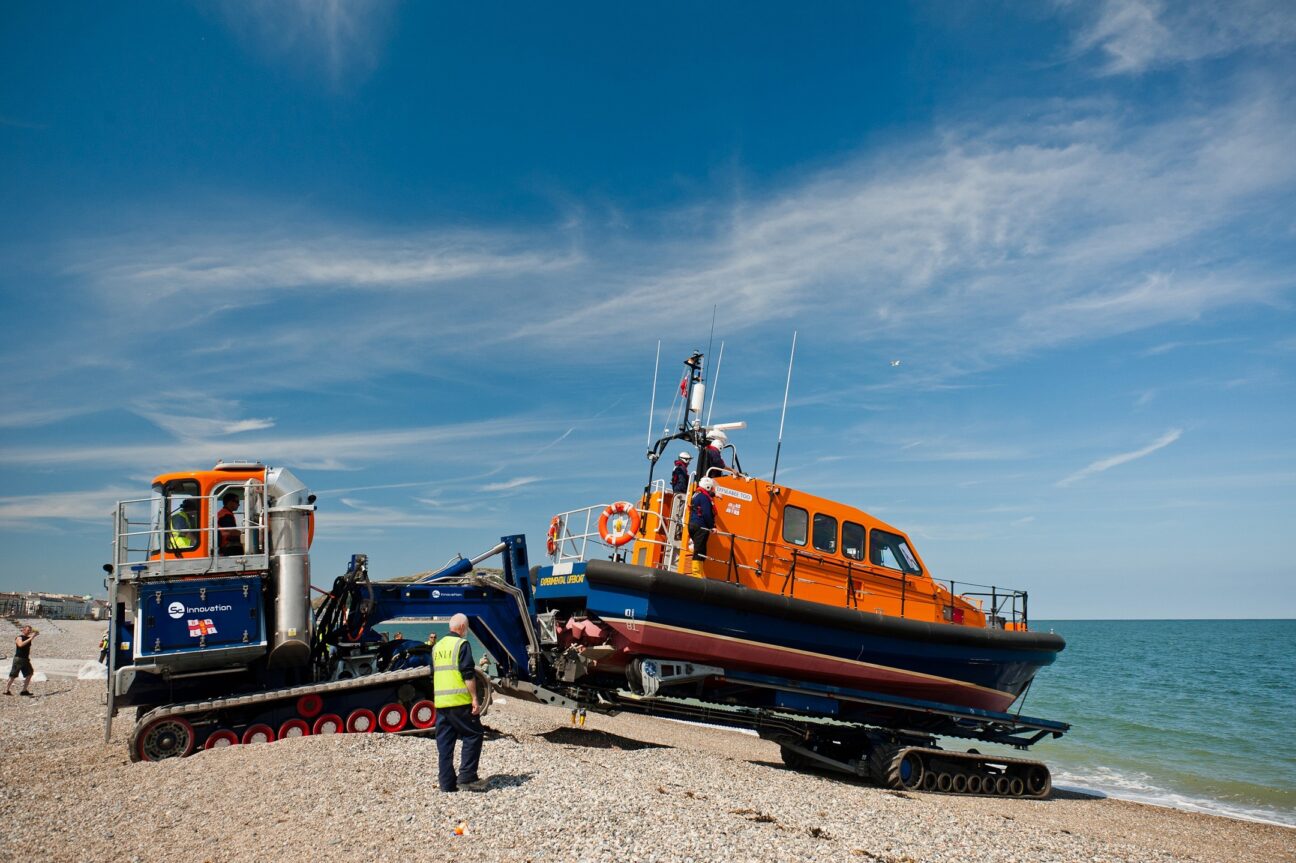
[(654, 613)]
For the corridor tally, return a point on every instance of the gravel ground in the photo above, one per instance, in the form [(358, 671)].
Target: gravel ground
[(624, 788)]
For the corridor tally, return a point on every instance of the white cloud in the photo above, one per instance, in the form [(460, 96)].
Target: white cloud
[(91, 505), (509, 485), (344, 37), (1110, 462), (1137, 35)]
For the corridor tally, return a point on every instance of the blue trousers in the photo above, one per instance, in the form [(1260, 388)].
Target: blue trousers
[(453, 724)]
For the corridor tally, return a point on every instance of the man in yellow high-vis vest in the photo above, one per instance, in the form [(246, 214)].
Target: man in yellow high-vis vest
[(457, 707)]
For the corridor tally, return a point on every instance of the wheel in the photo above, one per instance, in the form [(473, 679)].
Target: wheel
[(1016, 786), (361, 721), (793, 759), (392, 717), (974, 783), (895, 767), (221, 738), (1002, 786), (259, 733), (960, 784), (1038, 781), (294, 728), (309, 706), (169, 737), (329, 723), (422, 714), (944, 782)]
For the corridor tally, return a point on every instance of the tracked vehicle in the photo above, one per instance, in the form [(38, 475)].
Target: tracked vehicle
[(216, 642)]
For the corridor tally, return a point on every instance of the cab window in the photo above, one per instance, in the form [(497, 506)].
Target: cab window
[(892, 551), (183, 514), (825, 533), (853, 540), (795, 521)]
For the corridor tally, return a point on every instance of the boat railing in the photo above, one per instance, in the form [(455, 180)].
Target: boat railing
[(1004, 608), (577, 535)]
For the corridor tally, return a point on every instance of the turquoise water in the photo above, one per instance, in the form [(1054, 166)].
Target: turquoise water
[(1195, 714)]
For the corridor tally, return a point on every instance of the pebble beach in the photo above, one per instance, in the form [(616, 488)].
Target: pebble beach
[(620, 788)]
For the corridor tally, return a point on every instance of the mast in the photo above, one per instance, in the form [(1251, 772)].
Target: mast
[(786, 387)]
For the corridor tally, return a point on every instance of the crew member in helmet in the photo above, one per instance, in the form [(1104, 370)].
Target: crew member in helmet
[(713, 463), (701, 521), (680, 476)]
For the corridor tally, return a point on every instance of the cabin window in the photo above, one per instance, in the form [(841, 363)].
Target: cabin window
[(825, 533), (892, 551), (795, 521), (183, 514), (853, 540)]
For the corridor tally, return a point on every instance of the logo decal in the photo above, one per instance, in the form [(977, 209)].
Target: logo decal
[(176, 610), (203, 627)]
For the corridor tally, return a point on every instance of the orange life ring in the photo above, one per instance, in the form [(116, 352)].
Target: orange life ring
[(619, 523), (551, 539)]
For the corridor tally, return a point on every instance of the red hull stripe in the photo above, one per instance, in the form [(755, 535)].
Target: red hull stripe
[(673, 642)]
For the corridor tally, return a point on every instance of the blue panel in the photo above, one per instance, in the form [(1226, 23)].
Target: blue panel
[(199, 614), (806, 703), (561, 581)]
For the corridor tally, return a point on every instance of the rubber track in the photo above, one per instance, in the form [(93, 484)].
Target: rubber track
[(385, 678), (886, 769)]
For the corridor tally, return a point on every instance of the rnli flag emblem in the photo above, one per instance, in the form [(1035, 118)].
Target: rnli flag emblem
[(199, 628)]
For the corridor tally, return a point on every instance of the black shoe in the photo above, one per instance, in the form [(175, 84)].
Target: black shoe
[(449, 790), (26, 693), (476, 785)]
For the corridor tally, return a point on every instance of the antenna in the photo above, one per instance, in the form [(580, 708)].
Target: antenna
[(779, 449), (715, 383), (652, 406)]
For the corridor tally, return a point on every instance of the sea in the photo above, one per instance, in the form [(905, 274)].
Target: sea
[(1193, 714), (1190, 714)]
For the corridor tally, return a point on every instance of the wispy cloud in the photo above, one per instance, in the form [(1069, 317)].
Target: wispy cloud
[(87, 506), (342, 37), (1110, 462), (509, 485), (1137, 35)]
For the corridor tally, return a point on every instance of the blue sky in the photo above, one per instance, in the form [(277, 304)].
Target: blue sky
[(423, 255)]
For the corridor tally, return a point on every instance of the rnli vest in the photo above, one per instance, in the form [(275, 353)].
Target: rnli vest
[(183, 536), (448, 687)]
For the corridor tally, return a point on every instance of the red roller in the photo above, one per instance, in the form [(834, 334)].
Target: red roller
[(423, 714), (361, 721), (221, 737), (259, 733), (329, 723), (310, 706), (294, 728), (392, 717)]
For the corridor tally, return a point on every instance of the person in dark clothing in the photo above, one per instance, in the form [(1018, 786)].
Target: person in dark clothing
[(680, 476), (713, 463), (701, 521), (230, 541), (22, 661), (458, 709)]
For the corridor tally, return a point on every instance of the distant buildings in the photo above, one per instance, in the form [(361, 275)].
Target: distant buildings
[(61, 606)]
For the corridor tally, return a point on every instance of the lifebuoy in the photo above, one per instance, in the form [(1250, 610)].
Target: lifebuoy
[(619, 523), (551, 539)]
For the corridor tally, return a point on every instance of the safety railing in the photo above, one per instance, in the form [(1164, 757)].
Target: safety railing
[(146, 539), (1004, 608), (578, 538)]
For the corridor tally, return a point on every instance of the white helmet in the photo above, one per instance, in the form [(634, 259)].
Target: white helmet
[(707, 483), (686, 456), (718, 438)]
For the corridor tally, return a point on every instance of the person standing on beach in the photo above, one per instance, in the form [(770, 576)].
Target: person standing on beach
[(458, 709), (22, 660)]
